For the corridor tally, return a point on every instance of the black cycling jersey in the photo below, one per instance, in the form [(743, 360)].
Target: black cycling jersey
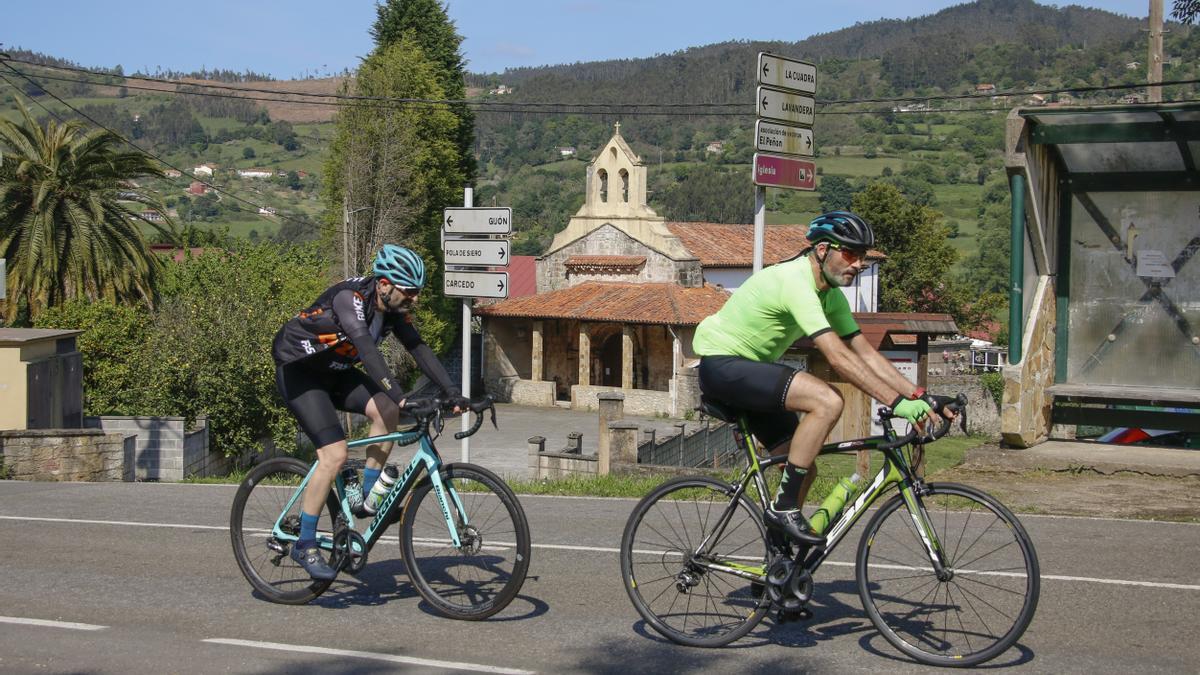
[(344, 327)]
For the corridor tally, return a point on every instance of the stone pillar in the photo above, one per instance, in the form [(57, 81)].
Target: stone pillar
[(575, 443), (585, 355), (536, 445), (538, 352), (623, 442), (626, 356), (612, 409)]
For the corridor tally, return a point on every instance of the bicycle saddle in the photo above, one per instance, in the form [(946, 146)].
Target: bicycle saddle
[(719, 410)]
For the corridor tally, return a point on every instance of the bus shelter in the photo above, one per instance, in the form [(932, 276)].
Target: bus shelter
[(1105, 294)]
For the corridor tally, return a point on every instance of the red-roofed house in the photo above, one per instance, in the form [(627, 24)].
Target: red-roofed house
[(620, 292)]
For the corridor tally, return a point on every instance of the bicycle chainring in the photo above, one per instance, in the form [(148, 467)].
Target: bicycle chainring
[(349, 551)]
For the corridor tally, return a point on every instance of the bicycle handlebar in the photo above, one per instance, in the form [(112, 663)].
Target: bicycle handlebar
[(431, 411), (957, 405), (477, 407)]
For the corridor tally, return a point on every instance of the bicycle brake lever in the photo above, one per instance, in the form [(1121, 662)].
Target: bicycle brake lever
[(492, 408)]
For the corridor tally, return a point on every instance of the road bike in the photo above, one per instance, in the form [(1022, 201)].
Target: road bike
[(945, 572), (463, 534)]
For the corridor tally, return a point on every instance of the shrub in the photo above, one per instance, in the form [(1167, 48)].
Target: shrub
[(993, 383)]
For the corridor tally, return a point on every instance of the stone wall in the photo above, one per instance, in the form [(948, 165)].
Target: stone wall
[(165, 451), (544, 464), (1025, 409), (637, 401), (67, 455), (983, 416)]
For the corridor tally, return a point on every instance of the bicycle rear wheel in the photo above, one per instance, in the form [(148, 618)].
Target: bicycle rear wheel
[(983, 604), (481, 576), (263, 559), (700, 598)]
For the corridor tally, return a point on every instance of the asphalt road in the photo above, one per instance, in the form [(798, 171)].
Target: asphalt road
[(140, 578)]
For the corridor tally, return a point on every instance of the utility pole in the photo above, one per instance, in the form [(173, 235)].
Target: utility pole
[(1155, 63)]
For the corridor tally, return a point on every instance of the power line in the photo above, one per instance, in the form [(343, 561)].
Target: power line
[(514, 106), (498, 108)]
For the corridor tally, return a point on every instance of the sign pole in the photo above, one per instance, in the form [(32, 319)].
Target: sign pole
[(760, 225), (468, 202)]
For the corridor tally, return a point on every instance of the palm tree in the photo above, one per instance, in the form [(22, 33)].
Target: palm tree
[(68, 224)]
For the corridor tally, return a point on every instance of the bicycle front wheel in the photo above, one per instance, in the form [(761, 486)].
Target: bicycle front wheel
[(261, 501), (981, 604), (693, 561), (481, 575)]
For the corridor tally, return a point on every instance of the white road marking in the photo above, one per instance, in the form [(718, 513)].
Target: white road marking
[(50, 624), (408, 660), (587, 549)]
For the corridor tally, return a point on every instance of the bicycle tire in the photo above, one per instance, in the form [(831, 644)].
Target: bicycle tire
[(659, 567), (970, 618), (483, 575), (259, 501)]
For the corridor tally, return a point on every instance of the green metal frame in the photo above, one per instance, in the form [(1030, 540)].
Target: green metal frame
[(1016, 261)]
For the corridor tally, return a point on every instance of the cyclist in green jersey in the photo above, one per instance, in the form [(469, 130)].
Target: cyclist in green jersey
[(740, 345)]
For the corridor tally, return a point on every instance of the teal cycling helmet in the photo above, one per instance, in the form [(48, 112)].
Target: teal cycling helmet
[(841, 227), (400, 266)]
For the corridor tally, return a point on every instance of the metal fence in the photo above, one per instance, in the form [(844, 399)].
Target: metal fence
[(711, 445)]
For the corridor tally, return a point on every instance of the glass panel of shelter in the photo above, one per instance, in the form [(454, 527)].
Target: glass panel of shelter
[(1134, 310)]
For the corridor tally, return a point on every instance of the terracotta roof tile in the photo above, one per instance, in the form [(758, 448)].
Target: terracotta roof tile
[(723, 245), (650, 303)]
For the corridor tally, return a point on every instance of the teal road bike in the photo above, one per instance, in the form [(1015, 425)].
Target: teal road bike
[(945, 572), (463, 534)]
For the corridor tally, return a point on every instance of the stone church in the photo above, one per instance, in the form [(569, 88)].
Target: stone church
[(620, 292)]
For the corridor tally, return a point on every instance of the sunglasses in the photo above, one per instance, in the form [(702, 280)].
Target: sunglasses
[(850, 255)]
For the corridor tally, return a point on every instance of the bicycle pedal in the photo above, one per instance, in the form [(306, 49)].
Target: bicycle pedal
[(785, 615)]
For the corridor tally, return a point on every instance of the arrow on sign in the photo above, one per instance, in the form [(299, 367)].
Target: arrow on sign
[(764, 103), (500, 285), (502, 254), (766, 69), (449, 221)]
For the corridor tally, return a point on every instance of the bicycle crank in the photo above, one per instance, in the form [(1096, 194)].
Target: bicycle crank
[(349, 551), (788, 586)]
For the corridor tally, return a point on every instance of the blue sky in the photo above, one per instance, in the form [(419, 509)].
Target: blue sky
[(288, 39)]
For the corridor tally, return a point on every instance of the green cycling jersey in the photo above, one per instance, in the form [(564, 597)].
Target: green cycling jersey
[(773, 309)]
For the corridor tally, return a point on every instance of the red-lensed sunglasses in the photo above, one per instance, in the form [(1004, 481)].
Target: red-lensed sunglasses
[(849, 254)]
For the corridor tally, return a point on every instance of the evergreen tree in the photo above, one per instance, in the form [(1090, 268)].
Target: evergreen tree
[(427, 24), (395, 168)]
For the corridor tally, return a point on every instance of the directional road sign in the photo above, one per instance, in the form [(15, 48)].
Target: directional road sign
[(480, 252), (783, 139), (784, 172), (464, 220), (780, 105), (477, 284), (795, 76)]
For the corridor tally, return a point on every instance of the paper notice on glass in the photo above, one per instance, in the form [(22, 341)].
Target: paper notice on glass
[(1153, 264)]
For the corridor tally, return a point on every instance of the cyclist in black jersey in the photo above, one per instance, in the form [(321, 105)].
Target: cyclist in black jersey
[(315, 356)]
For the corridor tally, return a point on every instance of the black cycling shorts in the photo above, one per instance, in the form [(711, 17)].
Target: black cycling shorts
[(756, 388), (315, 395)]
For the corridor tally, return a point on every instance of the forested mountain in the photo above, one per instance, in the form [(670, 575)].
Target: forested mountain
[(953, 40)]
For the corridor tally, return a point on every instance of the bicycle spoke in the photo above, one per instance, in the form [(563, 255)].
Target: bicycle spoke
[(976, 612)]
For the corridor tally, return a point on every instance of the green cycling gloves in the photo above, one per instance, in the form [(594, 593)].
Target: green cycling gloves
[(912, 410)]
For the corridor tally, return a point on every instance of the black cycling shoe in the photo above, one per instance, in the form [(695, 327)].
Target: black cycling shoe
[(794, 525), (312, 562)]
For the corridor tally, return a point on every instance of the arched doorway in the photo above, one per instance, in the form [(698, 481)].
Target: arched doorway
[(609, 372)]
